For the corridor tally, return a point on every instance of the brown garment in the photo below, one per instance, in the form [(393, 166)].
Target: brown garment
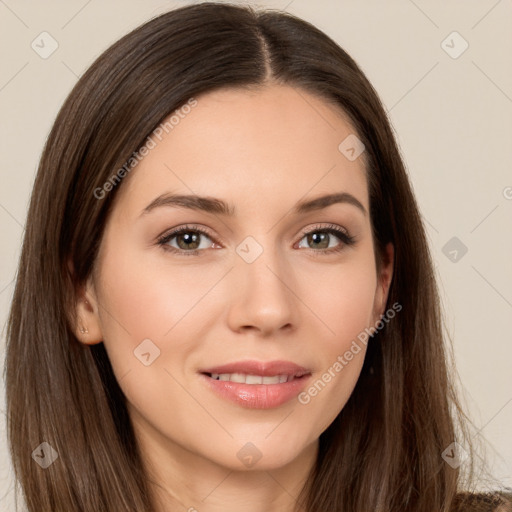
[(488, 502)]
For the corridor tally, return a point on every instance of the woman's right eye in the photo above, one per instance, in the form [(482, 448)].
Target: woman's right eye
[(187, 240)]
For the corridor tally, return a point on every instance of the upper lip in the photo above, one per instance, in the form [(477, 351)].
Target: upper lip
[(265, 369)]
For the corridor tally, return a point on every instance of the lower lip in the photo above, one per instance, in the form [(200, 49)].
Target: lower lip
[(257, 396)]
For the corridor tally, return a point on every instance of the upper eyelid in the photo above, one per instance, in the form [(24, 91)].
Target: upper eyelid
[(176, 231)]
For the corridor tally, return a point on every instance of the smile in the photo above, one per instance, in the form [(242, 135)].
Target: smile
[(256, 385)]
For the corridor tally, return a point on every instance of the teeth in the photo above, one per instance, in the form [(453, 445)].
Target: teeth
[(253, 379), (242, 378)]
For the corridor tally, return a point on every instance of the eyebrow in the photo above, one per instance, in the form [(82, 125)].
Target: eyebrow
[(219, 207)]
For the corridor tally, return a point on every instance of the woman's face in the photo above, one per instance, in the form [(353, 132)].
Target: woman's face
[(224, 341)]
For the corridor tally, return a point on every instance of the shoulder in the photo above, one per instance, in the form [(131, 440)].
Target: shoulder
[(483, 502)]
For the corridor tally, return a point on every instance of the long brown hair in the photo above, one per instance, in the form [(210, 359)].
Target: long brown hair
[(384, 450)]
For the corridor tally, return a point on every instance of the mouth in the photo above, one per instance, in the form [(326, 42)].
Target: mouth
[(257, 385)]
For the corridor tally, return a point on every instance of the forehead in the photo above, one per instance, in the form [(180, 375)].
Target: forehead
[(256, 148)]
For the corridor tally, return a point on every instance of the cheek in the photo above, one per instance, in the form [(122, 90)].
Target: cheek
[(143, 296), (147, 295), (143, 299), (341, 298)]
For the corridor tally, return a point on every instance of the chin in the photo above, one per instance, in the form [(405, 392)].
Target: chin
[(261, 454)]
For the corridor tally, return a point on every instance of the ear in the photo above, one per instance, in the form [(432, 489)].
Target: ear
[(383, 282), (88, 327)]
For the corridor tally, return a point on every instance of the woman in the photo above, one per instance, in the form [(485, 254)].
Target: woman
[(225, 298)]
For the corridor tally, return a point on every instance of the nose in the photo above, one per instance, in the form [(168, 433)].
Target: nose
[(262, 297)]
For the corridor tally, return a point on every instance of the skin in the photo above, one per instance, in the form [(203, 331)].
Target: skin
[(262, 150)]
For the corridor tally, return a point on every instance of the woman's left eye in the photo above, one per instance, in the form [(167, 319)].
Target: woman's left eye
[(322, 237), (188, 239)]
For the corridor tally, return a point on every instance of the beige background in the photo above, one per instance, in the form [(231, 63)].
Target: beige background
[(453, 118)]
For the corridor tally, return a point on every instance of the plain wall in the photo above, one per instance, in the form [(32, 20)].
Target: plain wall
[(452, 116)]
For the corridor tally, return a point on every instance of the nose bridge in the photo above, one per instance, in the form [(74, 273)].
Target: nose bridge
[(262, 296)]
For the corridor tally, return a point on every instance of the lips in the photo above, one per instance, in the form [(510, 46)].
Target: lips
[(255, 384)]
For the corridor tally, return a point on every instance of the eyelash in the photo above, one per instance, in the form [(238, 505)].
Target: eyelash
[(331, 229)]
